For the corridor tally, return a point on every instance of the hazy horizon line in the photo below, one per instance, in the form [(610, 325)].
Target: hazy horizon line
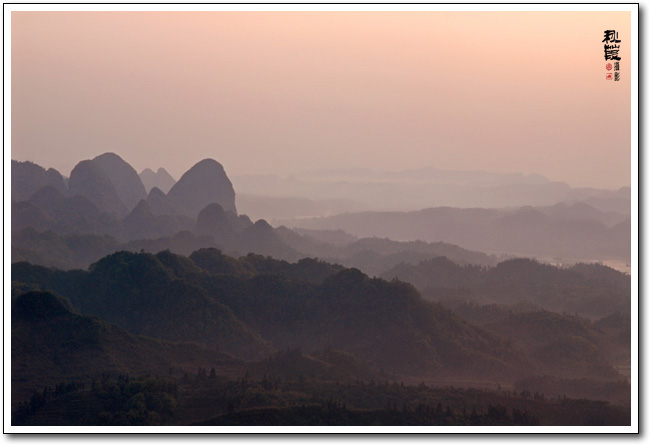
[(326, 169)]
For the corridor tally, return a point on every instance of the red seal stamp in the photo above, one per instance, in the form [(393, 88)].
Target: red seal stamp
[(608, 66), (608, 76)]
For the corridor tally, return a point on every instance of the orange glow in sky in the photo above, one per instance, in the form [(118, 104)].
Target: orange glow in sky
[(275, 92)]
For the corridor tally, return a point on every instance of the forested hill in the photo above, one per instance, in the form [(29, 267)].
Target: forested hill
[(591, 290), (252, 306), (304, 332), (52, 344)]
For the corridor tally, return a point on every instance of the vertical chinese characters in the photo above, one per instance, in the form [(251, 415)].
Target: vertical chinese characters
[(612, 47)]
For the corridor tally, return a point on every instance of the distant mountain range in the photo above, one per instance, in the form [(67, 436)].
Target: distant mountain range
[(115, 272), (355, 190), (563, 231), (105, 208), (112, 185), (60, 225)]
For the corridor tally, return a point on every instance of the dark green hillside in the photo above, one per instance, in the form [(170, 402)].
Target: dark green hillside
[(306, 269), (208, 399), (328, 366), (140, 294), (387, 324), (558, 345), (561, 345), (339, 334), (309, 402), (617, 392), (437, 272), (52, 344), (309, 305)]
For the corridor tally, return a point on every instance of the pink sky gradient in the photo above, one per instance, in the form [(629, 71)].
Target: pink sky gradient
[(276, 92)]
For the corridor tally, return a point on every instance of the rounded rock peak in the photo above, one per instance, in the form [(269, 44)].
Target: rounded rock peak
[(109, 155), (205, 183), (207, 164)]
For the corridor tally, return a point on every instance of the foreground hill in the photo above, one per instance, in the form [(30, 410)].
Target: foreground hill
[(207, 399), (248, 307), (52, 344), (315, 334), (140, 294)]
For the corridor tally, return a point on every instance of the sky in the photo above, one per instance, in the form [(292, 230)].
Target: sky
[(282, 92)]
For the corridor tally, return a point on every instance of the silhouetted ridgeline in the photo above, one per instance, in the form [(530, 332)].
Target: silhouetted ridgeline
[(335, 324), (106, 210), (161, 179), (325, 193), (138, 300), (588, 289), (249, 306), (27, 178), (105, 196), (565, 231)]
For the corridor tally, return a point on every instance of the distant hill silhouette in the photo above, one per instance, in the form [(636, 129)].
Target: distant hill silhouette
[(522, 231), (61, 251), (364, 189), (27, 178), (160, 179), (375, 255), (205, 183), (142, 223), (581, 211), (159, 204), (89, 179), (262, 238), (213, 220), (125, 179), (63, 214), (563, 233), (589, 290)]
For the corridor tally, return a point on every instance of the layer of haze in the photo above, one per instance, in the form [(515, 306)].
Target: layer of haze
[(275, 92)]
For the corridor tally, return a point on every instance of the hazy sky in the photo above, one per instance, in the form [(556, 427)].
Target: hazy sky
[(275, 92)]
